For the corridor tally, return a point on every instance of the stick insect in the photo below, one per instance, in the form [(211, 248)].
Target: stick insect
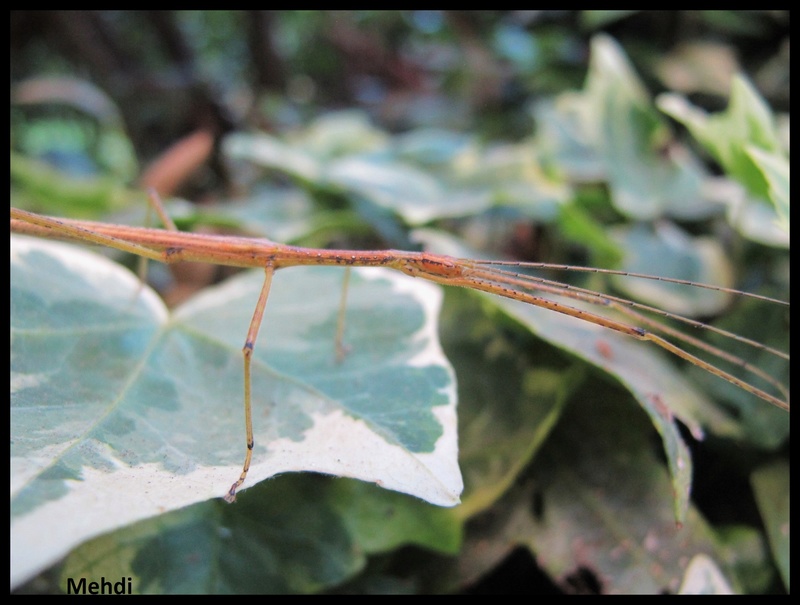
[(501, 278)]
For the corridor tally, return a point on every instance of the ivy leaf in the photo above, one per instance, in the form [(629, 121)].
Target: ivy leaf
[(122, 411), (747, 121), (298, 533), (648, 174), (771, 488)]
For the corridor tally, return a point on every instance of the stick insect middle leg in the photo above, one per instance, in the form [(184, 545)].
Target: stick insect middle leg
[(247, 352)]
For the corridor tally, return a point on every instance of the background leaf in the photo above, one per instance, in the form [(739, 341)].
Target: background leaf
[(771, 487), (747, 121)]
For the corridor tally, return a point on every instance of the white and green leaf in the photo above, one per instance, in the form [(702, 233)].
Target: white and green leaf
[(116, 401)]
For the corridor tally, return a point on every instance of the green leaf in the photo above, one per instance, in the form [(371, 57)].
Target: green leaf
[(564, 137), (743, 140), (404, 189), (578, 225), (647, 176), (39, 186), (746, 555), (70, 117), (771, 488), (747, 122), (595, 504), (508, 403), (306, 155), (775, 169), (661, 391), (598, 501), (271, 152), (115, 401), (432, 147), (660, 388), (767, 427), (341, 133), (285, 538), (380, 178), (299, 533), (381, 521)]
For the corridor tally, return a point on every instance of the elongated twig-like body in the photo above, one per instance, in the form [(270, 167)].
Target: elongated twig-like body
[(170, 246)]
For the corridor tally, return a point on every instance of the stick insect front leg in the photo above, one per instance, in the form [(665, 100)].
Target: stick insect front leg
[(247, 352)]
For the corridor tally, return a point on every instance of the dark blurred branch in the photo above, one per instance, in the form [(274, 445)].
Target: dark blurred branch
[(269, 71), (172, 39), (366, 53), (85, 39)]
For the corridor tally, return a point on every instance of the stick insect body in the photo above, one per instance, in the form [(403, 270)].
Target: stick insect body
[(495, 277)]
